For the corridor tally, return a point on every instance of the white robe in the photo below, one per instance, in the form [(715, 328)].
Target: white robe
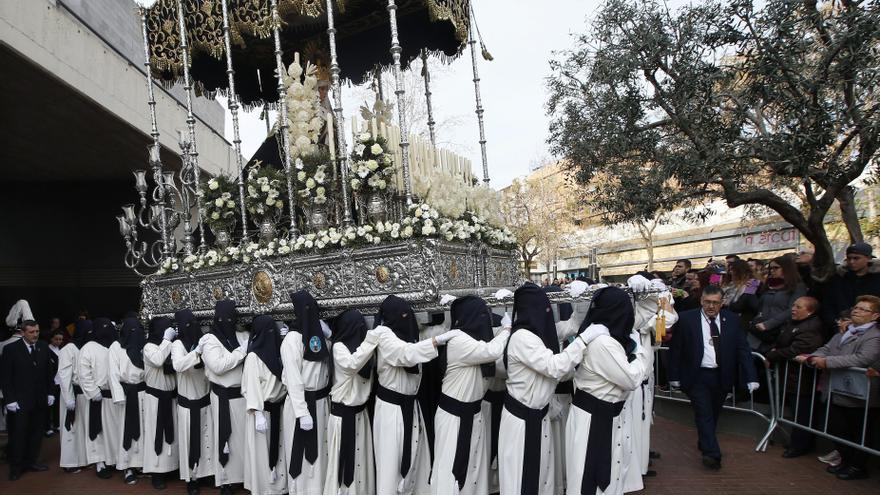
[(464, 382), (123, 371), (394, 355), (604, 373), (93, 368), (224, 368), (155, 377), (560, 405), (351, 389), (533, 372), (73, 442), (193, 385), (260, 385), (300, 375)]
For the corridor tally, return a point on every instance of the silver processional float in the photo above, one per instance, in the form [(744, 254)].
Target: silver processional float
[(390, 214)]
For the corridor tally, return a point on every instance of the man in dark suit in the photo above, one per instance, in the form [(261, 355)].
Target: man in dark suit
[(24, 371), (707, 354)]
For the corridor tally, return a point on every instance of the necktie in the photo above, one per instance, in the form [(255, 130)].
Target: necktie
[(716, 340), (30, 348)]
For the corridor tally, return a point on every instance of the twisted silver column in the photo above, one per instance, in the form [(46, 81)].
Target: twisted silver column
[(473, 43), (426, 72), (399, 91), (233, 109), (191, 154), (282, 116), (341, 145)]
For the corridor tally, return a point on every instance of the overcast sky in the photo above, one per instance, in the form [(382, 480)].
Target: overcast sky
[(521, 36)]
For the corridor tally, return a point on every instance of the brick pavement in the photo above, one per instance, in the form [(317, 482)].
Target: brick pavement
[(680, 472)]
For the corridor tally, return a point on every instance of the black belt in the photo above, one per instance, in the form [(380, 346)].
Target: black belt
[(496, 399), (164, 417), (70, 416), (407, 405), (195, 407), (531, 473), (96, 422), (224, 426), (131, 426), (274, 410), (305, 443), (347, 441), (566, 387), (465, 412), (597, 466)]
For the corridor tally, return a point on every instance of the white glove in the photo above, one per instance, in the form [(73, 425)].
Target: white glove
[(506, 322), (503, 294), (591, 332), (445, 337), (242, 348), (638, 283), (200, 347), (577, 288), (50, 400), (326, 329), (657, 285), (283, 330), (752, 386), (71, 405), (447, 299), (260, 423), (638, 340), (170, 333), (204, 340), (306, 423), (13, 407)]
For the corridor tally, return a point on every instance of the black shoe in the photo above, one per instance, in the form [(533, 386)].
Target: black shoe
[(14, 475), (852, 473), (72, 470), (836, 469), (159, 481), (192, 488), (653, 454), (130, 477), (651, 473), (104, 474), (792, 453), (37, 468), (711, 462), (226, 490)]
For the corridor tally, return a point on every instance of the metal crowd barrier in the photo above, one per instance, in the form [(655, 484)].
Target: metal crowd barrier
[(850, 382), (768, 413), (786, 401)]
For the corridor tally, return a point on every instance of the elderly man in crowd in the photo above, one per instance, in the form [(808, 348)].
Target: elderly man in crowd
[(858, 347)]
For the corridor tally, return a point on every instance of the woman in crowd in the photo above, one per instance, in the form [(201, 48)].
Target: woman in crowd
[(349, 437), (741, 294), (194, 422), (783, 287)]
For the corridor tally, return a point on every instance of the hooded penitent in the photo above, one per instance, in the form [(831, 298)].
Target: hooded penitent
[(104, 331), (471, 315), (82, 333), (225, 318), (565, 309), (350, 330), (397, 314), (612, 307), (132, 339), (157, 334), (308, 322), (532, 312)]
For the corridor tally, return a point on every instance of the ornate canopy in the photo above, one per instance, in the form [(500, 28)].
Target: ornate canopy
[(439, 26)]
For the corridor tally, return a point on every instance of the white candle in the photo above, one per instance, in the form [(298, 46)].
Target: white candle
[(331, 140), (373, 127)]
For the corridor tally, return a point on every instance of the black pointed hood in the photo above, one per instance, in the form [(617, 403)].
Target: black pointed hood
[(265, 342), (308, 323)]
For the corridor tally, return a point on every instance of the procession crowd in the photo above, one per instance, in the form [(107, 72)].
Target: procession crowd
[(556, 399)]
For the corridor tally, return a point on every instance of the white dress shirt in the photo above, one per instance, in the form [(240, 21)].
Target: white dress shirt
[(709, 360)]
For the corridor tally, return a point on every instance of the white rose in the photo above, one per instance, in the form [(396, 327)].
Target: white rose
[(301, 176), (309, 244), (265, 188), (279, 204), (377, 240), (364, 137), (407, 231), (376, 149), (213, 185), (310, 184), (218, 202), (215, 216), (372, 165), (270, 201), (230, 204)]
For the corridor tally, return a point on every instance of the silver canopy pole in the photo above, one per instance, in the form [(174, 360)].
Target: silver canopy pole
[(399, 91), (342, 146), (233, 104), (282, 106), (426, 72), (473, 43)]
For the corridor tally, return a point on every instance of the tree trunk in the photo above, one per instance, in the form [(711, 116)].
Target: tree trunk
[(847, 202), (823, 264), (649, 244)]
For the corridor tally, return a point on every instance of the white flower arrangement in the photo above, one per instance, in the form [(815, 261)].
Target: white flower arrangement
[(263, 198), (311, 177), (305, 119), (371, 165), (217, 196)]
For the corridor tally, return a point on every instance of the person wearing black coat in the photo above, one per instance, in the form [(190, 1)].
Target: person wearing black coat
[(26, 383), (803, 333), (858, 276)]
